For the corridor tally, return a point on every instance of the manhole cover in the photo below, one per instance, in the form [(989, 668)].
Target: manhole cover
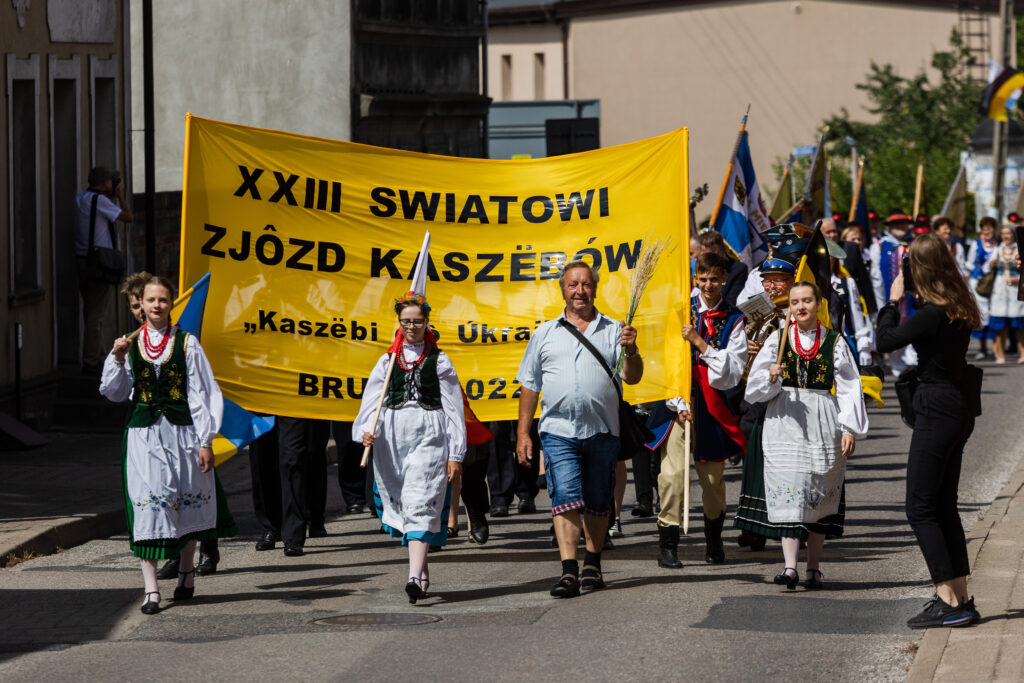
[(399, 619)]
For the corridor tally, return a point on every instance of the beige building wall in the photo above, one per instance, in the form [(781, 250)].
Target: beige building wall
[(262, 63), (795, 63), (525, 63), (66, 60)]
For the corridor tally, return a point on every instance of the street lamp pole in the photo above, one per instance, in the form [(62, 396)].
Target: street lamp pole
[(999, 129)]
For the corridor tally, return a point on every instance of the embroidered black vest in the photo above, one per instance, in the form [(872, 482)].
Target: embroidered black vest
[(420, 383), (166, 395), (816, 373)]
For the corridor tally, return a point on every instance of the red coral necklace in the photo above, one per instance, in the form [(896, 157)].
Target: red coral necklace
[(154, 351), (808, 354), (401, 357)]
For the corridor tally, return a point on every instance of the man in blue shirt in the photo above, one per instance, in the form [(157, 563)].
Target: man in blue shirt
[(107, 189), (579, 420)]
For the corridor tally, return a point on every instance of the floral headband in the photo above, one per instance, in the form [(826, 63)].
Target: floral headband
[(414, 299)]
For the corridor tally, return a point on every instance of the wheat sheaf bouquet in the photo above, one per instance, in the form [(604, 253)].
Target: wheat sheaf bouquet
[(651, 250)]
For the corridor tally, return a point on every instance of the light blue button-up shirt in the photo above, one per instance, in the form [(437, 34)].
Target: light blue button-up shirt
[(577, 400)]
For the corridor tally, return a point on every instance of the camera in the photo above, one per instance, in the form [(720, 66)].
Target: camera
[(908, 282)]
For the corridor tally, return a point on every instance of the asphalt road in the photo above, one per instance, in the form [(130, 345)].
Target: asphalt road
[(340, 611)]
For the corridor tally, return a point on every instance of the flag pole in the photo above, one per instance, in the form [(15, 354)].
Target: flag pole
[(856, 191), (380, 405), (917, 190), (728, 169)]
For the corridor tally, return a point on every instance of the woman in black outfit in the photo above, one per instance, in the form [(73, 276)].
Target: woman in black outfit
[(940, 331)]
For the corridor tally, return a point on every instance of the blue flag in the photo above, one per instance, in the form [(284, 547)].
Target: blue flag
[(239, 427), (741, 217)]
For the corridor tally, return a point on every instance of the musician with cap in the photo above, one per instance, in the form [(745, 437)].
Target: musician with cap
[(886, 261)]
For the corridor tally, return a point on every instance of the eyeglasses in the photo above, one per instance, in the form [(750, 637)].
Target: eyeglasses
[(415, 322)]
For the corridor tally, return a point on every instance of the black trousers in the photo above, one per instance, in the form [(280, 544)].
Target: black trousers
[(646, 468), (505, 476), (316, 473), (355, 482), (279, 461), (474, 484), (941, 430)]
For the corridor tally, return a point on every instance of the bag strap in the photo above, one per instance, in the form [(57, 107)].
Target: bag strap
[(92, 222), (597, 354)]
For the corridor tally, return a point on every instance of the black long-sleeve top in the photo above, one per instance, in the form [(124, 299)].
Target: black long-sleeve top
[(941, 344)]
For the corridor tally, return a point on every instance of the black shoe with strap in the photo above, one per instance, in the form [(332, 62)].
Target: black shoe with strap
[(414, 589), (567, 587), (183, 592), (784, 578), (151, 606), (814, 581), (591, 579)]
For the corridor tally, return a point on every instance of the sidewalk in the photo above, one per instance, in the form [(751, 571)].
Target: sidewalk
[(993, 650), (60, 495), (68, 492)]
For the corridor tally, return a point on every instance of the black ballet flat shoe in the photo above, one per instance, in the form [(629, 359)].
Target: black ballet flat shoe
[(183, 592), (414, 590), (814, 582), (786, 579), (151, 606)]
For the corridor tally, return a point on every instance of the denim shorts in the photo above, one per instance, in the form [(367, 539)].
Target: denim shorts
[(580, 472)]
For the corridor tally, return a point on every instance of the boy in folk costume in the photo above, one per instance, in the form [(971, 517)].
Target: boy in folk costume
[(719, 354)]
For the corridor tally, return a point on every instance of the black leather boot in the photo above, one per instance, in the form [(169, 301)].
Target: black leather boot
[(209, 556), (715, 551), (169, 570), (668, 547)]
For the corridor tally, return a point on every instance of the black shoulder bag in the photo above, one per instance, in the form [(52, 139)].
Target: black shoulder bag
[(633, 432), (104, 264)]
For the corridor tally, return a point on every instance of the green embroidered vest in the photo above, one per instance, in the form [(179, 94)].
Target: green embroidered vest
[(816, 373), (423, 377), (166, 395)]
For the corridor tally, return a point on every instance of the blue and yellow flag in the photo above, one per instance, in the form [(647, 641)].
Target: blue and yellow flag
[(239, 427)]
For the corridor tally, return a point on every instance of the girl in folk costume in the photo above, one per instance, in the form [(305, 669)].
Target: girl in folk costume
[(808, 432), (172, 497), (719, 357), (1006, 314), (420, 438)]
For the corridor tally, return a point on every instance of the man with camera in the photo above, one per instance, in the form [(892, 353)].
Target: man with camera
[(97, 209)]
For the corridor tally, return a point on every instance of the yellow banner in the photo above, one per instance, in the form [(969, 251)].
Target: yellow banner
[(309, 242)]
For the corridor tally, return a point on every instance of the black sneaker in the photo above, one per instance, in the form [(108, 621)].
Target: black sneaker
[(591, 579), (567, 587), (969, 605), (937, 613)]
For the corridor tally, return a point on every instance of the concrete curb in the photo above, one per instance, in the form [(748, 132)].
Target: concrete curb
[(933, 644), (65, 532)]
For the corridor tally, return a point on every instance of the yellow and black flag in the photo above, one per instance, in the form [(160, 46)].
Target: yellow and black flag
[(815, 267), (1002, 91)]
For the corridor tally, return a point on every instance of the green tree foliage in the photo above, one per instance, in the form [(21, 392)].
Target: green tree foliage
[(920, 119)]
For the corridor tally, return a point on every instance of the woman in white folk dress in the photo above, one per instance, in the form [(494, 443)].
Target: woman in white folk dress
[(419, 441), (808, 431), (172, 498), (1006, 314)]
